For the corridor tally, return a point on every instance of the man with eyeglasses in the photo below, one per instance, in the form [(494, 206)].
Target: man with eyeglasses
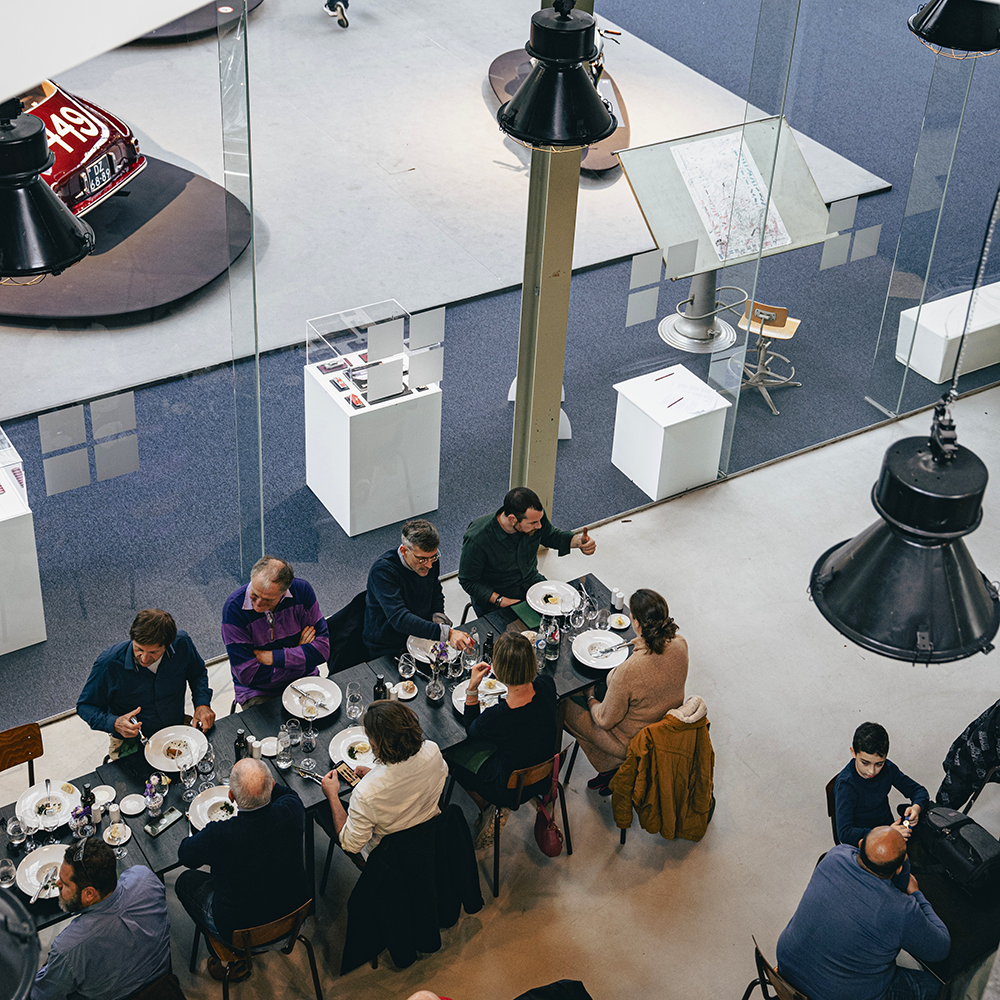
[(120, 939), (404, 595), (274, 632)]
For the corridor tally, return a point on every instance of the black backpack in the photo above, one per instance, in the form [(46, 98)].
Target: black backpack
[(961, 848)]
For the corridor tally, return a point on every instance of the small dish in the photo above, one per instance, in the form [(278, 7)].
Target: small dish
[(120, 829), (104, 794), (619, 620), (269, 746), (133, 804), (405, 690)]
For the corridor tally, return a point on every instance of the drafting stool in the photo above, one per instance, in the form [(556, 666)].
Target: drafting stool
[(773, 323)]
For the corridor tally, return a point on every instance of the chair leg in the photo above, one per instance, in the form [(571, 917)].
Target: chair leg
[(326, 868), (496, 852), (622, 839), (194, 948), (561, 792), (752, 987), (448, 788), (312, 966), (572, 761), (225, 984)]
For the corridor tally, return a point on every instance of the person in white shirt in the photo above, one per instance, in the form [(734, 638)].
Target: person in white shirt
[(400, 791)]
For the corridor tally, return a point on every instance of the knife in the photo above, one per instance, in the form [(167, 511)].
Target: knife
[(46, 883), (320, 703), (308, 774)]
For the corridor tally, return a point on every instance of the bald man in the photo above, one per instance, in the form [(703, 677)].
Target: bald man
[(256, 858), (852, 922)]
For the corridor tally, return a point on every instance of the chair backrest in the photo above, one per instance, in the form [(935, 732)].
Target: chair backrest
[(287, 927), (782, 988), (764, 315), (19, 745), (831, 807), (525, 777), (347, 648)]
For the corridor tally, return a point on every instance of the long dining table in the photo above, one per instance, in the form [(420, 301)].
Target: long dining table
[(440, 721)]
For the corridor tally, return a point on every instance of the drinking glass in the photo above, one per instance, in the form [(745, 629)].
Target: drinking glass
[(283, 758), (15, 830), (30, 828), (406, 666), (577, 617), (354, 706), (470, 656), (455, 670), (206, 786), (154, 804), (116, 833), (7, 873), (309, 710), (435, 686), (590, 610), (189, 775), (222, 769), (309, 740), (294, 728), (601, 621), (206, 766)]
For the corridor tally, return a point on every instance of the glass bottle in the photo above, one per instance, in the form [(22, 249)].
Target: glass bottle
[(380, 692), (552, 637), (241, 748), (488, 648)]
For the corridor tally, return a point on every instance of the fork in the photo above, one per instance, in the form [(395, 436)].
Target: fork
[(44, 885), (608, 650), (320, 703), (142, 738)]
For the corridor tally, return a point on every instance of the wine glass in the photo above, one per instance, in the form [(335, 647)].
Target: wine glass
[(455, 669), (30, 829), (8, 873), (309, 710), (590, 610), (206, 766), (470, 655), (294, 728), (354, 706), (601, 621), (577, 617), (189, 775), (117, 833), (49, 821), (406, 666)]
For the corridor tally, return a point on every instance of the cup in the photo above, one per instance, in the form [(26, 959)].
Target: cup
[(354, 705), (294, 728), (7, 873), (222, 769), (15, 830), (283, 758), (601, 621), (406, 666)]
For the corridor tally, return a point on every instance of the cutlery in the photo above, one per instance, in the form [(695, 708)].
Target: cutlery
[(320, 703), (608, 650), (308, 774), (48, 796), (43, 885), (142, 738)]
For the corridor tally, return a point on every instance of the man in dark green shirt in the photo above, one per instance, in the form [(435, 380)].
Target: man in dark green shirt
[(500, 551)]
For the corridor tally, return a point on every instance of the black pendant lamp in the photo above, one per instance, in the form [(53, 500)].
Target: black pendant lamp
[(969, 28), (38, 234), (907, 586), (558, 104)]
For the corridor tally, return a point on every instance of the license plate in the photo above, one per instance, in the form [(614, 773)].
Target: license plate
[(98, 174)]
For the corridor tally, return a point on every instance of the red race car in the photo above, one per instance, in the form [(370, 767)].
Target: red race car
[(96, 153)]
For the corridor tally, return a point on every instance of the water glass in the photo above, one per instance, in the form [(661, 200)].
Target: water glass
[(577, 617), (222, 769), (189, 775), (206, 766), (294, 728), (354, 705), (7, 873), (15, 830), (308, 740), (30, 829), (601, 621), (406, 666), (283, 758)]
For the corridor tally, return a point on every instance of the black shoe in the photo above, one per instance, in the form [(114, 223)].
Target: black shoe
[(606, 790), (601, 779)]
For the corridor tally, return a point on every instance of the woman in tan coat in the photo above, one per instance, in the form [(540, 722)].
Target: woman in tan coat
[(640, 691)]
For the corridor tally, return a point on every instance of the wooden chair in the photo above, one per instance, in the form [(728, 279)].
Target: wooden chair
[(20, 745), (831, 807), (278, 935), (773, 323), (768, 976), (523, 778)]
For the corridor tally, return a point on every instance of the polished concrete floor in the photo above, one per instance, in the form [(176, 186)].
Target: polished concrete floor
[(784, 690)]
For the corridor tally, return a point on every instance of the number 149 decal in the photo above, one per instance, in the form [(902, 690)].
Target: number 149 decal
[(70, 122)]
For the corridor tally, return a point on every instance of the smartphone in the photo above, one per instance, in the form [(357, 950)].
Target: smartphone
[(155, 827), (347, 773)]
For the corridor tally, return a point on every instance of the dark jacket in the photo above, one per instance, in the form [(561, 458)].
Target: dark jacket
[(400, 602), (414, 883), (970, 757)]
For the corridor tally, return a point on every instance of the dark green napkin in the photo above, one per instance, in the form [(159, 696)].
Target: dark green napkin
[(527, 614), (471, 754)]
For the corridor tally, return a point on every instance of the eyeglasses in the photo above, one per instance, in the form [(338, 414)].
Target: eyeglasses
[(426, 560), (78, 859)]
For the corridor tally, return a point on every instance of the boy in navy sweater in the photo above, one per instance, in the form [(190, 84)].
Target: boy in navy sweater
[(861, 792)]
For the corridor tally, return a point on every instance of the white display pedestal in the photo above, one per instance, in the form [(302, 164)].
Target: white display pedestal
[(375, 465), (935, 350), (22, 616), (668, 431)]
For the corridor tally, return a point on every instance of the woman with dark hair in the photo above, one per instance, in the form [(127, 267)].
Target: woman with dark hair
[(640, 691), (400, 791), (517, 732)]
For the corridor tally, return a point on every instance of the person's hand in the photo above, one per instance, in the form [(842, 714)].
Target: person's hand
[(911, 886), (331, 784), (584, 543), (460, 640), (308, 634), (203, 718), (264, 657), (479, 671), (903, 831), (126, 726), (361, 770), (912, 813)]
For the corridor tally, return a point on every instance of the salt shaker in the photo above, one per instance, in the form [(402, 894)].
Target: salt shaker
[(96, 814), (255, 749)]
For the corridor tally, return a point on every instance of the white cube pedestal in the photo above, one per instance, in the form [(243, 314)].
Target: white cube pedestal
[(668, 431), (375, 465), (22, 616)]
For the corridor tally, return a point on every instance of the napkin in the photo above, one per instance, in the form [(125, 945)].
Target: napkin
[(527, 614)]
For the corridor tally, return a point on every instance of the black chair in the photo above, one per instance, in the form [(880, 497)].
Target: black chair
[(768, 976), (347, 648), (831, 807)]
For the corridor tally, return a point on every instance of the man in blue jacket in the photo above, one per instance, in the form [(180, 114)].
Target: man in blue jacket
[(852, 922), (140, 684)]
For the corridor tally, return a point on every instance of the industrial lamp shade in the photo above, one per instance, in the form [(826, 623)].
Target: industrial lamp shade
[(558, 104), (38, 233), (965, 25), (907, 586)]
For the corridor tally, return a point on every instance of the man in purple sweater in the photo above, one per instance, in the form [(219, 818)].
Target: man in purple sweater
[(274, 632), (852, 922)]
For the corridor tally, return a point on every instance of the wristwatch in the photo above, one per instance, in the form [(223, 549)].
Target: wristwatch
[(498, 600)]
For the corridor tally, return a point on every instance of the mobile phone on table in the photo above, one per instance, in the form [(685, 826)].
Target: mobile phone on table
[(156, 826), (347, 773)]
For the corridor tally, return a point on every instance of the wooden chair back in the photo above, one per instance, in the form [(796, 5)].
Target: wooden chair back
[(20, 745), (782, 988), (831, 807), (526, 776), (249, 938)]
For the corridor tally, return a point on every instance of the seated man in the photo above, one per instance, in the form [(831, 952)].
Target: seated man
[(500, 551), (400, 791), (140, 684), (274, 632), (258, 874), (120, 939), (852, 922), (404, 595)]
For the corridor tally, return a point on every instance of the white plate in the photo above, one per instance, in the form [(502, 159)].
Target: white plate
[(322, 687), (488, 697), (405, 695), (103, 794), (133, 804), (556, 592), (183, 738), (124, 826), (341, 743), (63, 796), (583, 643), (34, 867), (210, 806), (618, 620), (269, 746), (421, 649)]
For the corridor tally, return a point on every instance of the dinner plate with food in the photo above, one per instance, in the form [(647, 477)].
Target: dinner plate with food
[(60, 800), (351, 745), (41, 867), (421, 649), (167, 748), (589, 647), (490, 690), (550, 597), (323, 692), (211, 806)]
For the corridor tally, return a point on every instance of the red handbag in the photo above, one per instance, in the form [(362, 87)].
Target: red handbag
[(548, 836)]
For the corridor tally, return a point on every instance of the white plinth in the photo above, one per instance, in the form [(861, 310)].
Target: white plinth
[(22, 616), (376, 465), (668, 431), (935, 350)]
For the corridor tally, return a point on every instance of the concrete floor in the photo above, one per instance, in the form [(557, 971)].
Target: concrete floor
[(784, 690)]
